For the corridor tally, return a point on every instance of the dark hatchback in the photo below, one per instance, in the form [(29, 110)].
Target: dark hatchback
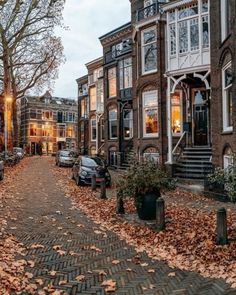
[(86, 166)]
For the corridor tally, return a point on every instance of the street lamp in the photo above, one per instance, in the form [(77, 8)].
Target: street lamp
[(7, 121)]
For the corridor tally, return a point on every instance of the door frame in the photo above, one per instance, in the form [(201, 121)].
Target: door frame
[(192, 113)]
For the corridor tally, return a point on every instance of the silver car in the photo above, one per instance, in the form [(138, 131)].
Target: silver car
[(66, 158)]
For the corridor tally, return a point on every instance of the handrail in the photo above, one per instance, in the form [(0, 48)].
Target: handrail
[(101, 147), (178, 143)]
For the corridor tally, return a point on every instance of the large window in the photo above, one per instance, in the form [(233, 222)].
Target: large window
[(112, 87), (150, 114), (113, 123), (47, 130), (47, 115), (228, 158), (100, 96), (82, 108), (125, 73), (93, 98), (149, 50), (225, 18), (93, 129), (61, 131), (70, 131), (33, 114), (176, 113), (227, 97), (33, 130), (191, 25), (69, 117), (128, 123)]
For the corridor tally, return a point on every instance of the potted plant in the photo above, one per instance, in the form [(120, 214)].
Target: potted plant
[(144, 181)]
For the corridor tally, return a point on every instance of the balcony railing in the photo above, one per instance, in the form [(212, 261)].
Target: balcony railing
[(148, 11)]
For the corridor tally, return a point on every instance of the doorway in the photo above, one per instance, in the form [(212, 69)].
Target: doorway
[(200, 118)]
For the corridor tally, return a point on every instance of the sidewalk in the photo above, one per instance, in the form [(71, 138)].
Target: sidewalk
[(71, 253)]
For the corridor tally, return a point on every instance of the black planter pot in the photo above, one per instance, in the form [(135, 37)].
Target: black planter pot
[(147, 206)]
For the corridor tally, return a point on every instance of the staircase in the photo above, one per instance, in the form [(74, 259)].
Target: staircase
[(194, 163)]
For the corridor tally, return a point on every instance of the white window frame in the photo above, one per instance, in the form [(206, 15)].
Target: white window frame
[(142, 51), (181, 114), (155, 94), (224, 29), (109, 122), (91, 128), (226, 128), (131, 128)]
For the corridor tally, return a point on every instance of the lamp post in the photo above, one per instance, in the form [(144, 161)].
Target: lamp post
[(7, 123)]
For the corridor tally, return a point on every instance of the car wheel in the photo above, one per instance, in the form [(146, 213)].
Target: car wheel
[(2, 175), (78, 181)]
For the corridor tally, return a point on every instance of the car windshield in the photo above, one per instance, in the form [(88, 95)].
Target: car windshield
[(17, 149), (92, 162)]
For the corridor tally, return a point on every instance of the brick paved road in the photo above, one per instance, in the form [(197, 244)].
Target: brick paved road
[(38, 222)]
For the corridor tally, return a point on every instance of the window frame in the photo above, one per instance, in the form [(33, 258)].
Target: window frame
[(92, 120), (112, 120), (154, 107), (181, 114), (110, 79), (143, 50), (122, 72), (130, 120), (225, 88)]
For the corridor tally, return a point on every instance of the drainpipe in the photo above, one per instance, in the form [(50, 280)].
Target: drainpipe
[(169, 127)]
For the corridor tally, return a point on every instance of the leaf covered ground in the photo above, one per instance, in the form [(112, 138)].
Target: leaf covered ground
[(189, 239)]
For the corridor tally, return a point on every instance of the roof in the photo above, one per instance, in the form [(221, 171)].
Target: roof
[(115, 31)]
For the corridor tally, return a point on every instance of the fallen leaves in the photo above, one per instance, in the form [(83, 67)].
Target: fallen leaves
[(189, 239), (110, 285)]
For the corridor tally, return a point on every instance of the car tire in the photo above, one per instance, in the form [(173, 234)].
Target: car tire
[(2, 175), (78, 181)]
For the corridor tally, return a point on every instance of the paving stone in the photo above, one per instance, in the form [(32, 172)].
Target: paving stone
[(42, 199)]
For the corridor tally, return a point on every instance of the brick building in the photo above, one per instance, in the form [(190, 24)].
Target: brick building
[(50, 121), (223, 91), (169, 85)]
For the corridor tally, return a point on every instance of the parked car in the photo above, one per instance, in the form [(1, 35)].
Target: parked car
[(66, 158), (85, 167), (18, 152), (1, 169), (9, 158)]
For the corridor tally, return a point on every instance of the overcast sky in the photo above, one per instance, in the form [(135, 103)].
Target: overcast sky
[(87, 20)]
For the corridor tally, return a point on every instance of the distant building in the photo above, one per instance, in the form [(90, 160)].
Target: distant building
[(49, 121)]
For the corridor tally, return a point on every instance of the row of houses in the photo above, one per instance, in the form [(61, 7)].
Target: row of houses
[(164, 88)]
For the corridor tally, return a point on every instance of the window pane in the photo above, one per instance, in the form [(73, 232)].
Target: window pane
[(205, 32), (183, 37), (128, 124), (176, 113), (112, 82), (205, 6), (229, 98), (228, 76), (92, 93), (194, 34), (150, 57), (149, 36), (151, 121), (172, 39)]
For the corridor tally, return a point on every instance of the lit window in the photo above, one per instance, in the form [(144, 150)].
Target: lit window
[(33, 130), (112, 91), (176, 113), (113, 124), (150, 114), (93, 98), (149, 50), (128, 123), (47, 115), (100, 97), (125, 71), (70, 131), (82, 108), (93, 129), (46, 130)]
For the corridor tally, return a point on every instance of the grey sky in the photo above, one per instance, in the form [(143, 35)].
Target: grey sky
[(88, 20)]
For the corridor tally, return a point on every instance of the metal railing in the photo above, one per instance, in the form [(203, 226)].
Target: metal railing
[(174, 152), (148, 11)]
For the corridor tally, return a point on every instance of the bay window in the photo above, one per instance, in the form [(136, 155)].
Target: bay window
[(149, 50), (128, 123), (93, 98), (176, 113), (93, 122), (227, 98), (113, 123), (150, 114), (125, 73), (112, 88)]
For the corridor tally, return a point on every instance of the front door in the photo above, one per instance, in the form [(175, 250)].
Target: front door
[(200, 118)]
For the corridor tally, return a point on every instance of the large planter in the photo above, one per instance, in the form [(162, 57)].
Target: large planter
[(146, 208)]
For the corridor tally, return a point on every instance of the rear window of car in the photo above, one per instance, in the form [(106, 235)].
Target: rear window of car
[(65, 153), (92, 162)]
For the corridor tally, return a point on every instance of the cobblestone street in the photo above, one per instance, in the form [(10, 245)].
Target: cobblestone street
[(44, 216)]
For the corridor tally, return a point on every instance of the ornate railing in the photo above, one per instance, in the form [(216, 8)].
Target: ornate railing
[(148, 11)]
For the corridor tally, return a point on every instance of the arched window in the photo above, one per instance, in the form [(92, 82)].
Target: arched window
[(113, 123)]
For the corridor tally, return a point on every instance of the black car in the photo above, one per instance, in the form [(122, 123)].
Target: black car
[(85, 167)]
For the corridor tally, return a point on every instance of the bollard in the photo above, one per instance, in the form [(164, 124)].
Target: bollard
[(160, 214), (221, 227), (93, 183), (103, 194), (120, 204)]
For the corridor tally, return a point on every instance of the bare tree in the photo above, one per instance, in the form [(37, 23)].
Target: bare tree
[(30, 54)]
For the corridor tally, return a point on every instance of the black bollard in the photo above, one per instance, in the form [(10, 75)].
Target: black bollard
[(221, 227), (93, 183), (120, 204), (160, 214), (103, 194)]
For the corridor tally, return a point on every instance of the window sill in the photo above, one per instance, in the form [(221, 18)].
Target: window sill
[(151, 137), (227, 132), (149, 73)]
